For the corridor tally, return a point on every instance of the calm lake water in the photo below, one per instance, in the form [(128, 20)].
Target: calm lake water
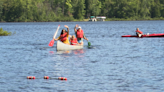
[(113, 64)]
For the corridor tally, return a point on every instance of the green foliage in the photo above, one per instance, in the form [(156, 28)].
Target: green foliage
[(73, 10), (4, 33), (78, 6)]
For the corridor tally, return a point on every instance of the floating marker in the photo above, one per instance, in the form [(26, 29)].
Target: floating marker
[(46, 77), (30, 77), (62, 78)]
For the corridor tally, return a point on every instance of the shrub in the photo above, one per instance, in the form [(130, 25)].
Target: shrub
[(4, 33)]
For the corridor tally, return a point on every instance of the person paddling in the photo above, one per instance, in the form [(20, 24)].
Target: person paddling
[(64, 36), (138, 32), (79, 34), (73, 40)]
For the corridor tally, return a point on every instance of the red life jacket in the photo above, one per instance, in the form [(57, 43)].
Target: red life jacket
[(63, 37), (74, 42), (79, 34), (139, 31)]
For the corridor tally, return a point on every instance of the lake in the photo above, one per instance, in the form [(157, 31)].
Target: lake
[(112, 64)]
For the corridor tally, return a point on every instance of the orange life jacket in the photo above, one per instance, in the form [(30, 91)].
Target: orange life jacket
[(138, 31), (79, 34), (63, 37), (74, 42)]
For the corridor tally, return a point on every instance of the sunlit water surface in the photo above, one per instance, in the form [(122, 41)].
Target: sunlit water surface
[(112, 64)]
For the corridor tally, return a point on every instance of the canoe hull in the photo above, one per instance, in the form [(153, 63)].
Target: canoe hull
[(62, 47), (150, 35)]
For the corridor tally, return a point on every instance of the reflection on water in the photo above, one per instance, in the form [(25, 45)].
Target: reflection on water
[(63, 52), (69, 53), (78, 53), (51, 52)]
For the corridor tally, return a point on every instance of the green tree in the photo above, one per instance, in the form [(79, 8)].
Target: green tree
[(93, 7), (96, 7), (155, 9), (68, 8), (145, 7), (1, 8), (88, 8), (107, 8), (162, 7), (78, 6)]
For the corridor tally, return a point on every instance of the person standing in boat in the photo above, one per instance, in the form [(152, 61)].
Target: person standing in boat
[(80, 35), (64, 36), (73, 40), (139, 33)]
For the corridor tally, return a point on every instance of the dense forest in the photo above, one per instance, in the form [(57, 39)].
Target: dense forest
[(71, 10)]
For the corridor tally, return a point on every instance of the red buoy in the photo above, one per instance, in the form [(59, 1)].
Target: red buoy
[(30, 77), (46, 77), (62, 78)]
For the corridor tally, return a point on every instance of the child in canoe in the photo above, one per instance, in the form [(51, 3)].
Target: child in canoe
[(73, 40)]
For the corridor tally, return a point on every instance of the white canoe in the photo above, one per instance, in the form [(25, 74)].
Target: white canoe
[(61, 46)]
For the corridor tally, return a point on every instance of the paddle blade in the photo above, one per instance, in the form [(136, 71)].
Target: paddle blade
[(51, 43), (89, 44)]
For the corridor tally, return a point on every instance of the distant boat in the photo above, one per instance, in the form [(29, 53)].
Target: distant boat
[(92, 18), (101, 18), (147, 35), (98, 18)]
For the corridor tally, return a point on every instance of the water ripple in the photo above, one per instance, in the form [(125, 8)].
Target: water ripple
[(111, 63)]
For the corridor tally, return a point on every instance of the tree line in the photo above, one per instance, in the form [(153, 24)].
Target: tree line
[(70, 10)]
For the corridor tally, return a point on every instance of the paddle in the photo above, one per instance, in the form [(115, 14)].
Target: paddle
[(89, 44), (52, 41)]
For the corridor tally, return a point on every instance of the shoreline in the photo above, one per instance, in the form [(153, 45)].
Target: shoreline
[(87, 20), (133, 19)]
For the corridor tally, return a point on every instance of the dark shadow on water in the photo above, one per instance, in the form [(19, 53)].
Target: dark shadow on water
[(90, 47)]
